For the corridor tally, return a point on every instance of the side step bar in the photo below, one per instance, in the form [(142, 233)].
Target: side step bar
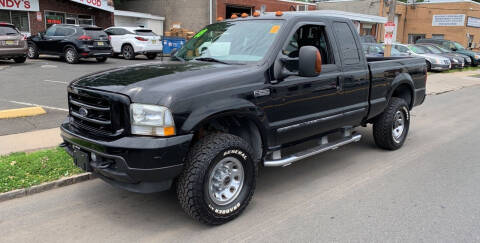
[(311, 152)]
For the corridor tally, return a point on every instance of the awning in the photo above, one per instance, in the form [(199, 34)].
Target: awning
[(106, 5), (352, 16)]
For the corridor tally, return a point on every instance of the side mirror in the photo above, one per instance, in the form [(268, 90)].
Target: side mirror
[(41, 35), (309, 62)]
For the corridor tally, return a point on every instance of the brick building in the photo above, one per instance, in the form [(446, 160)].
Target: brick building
[(33, 16), (195, 14)]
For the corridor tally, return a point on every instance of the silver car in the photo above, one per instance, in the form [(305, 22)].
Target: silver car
[(434, 62), (13, 45)]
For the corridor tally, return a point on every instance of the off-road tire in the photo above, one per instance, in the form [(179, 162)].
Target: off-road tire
[(128, 52), (101, 59), (32, 52), (74, 58), (383, 125), (20, 59), (192, 189), (151, 56)]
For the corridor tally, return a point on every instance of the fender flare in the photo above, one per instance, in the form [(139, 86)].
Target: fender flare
[(402, 79)]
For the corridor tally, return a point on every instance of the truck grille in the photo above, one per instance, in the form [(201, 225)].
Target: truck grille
[(98, 113)]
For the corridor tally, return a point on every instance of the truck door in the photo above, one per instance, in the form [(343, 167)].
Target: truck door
[(302, 107), (355, 83)]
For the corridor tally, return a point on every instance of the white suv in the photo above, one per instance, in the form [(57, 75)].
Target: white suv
[(132, 41)]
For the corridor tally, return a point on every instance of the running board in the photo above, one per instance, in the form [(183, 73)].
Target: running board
[(311, 152)]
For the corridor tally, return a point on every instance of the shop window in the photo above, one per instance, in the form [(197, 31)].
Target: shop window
[(52, 18), (17, 18), (438, 37), (86, 20), (71, 19)]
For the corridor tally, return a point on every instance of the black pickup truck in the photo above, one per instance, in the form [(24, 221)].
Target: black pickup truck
[(241, 94)]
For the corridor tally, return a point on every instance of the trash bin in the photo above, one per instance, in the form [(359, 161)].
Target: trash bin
[(172, 43)]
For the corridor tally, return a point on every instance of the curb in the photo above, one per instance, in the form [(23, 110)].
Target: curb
[(46, 186), (22, 112)]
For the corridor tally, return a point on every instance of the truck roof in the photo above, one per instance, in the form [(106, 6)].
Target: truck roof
[(288, 15)]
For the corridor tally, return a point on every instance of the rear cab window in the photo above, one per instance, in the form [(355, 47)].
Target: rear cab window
[(95, 33), (347, 45), (8, 30)]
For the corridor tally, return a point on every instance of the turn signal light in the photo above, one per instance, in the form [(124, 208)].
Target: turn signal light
[(140, 38), (234, 16), (256, 14), (279, 13), (84, 38), (219, 19), (244, 15)]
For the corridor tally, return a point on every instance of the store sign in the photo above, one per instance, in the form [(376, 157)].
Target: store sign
[(473, 22), (388, 38), (449, 20), (54, 19), (106, 5), (23, 5)]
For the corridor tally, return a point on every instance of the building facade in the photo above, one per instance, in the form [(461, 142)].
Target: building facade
[(34, 16), (195, 14)]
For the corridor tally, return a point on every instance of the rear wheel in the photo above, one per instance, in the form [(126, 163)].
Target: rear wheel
[(151, 56), (101, 59), (71, 55), (20, 59), (32, 52), (391, 128), (128, 52), (218, 180)]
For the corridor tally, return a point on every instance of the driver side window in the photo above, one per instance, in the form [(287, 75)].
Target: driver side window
[(308, 35)]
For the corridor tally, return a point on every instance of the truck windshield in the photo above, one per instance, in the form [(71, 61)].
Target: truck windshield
[(232, 42)]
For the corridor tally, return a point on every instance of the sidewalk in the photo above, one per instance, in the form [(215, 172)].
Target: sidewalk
[(30, 141), (439, 83)]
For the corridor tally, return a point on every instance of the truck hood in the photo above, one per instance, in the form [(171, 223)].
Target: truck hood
[(149, 82)]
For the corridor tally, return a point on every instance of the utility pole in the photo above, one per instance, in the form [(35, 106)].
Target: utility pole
[(391, 19)]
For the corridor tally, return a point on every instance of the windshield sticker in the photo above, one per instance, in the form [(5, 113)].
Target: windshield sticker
[(200, 33), (274, 29)]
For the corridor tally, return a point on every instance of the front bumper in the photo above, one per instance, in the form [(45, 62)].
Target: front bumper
[(441, 67), (138, 164)]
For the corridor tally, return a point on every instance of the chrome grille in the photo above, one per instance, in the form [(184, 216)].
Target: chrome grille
[(92, 112)]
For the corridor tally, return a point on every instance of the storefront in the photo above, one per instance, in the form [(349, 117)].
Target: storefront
[(33, 16)]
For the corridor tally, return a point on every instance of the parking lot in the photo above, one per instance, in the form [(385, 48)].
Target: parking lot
[(42, 82)]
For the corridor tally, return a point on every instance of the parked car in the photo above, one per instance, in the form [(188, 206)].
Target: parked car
[(368, 39), (211, 119), (457, 62), (13, 44), (434, 62), (71, 42), (132, 41), (453, 46), (377, 50), (467, 59)]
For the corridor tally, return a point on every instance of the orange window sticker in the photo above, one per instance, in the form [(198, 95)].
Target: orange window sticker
[(274, 29)]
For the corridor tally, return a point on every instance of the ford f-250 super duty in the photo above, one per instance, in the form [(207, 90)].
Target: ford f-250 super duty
[(239, 95)]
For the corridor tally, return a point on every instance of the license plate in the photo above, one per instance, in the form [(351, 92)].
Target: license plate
[(82, 160), (154, 41), (100, 43), (9, 42)]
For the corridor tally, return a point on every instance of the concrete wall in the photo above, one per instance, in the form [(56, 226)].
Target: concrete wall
[(371, 7)]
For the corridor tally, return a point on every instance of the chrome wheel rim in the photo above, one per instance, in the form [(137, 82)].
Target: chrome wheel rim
[(31, 50), (398, 126), (70, 56), (226, 181)]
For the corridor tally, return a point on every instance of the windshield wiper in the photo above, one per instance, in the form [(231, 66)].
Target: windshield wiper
[(210, 59)]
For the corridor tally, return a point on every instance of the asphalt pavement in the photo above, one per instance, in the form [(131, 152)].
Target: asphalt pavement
[(426, 192), (42, 82)]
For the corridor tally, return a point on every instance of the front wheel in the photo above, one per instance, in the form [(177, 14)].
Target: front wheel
[(218, 180), (391, 128), (32, 52)]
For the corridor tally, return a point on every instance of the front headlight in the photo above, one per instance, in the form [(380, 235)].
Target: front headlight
[(151, 120)]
